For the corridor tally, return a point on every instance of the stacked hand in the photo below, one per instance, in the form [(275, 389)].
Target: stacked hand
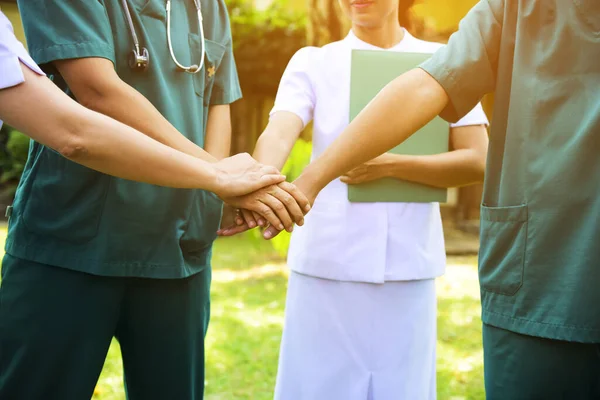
[(300, 193), (261, 194)]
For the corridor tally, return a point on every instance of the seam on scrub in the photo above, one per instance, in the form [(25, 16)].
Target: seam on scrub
[(543, 323), (103, 50), (82, 44), (81, 260)]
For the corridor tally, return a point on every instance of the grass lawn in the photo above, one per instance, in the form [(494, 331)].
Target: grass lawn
[(248, 298)]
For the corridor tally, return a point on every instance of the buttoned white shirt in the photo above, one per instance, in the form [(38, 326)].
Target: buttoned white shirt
[(340, 240), (12, 54)]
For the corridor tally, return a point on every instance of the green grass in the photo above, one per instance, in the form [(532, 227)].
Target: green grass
[(248, 299)]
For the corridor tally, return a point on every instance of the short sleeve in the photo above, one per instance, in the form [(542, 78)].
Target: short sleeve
[(474, 117), (12, 54), (295, 93), (467, 66), (59, 30), (226, 88)]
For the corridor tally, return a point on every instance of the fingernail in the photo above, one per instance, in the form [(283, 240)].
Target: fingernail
[(267, 235), (261, 222), (280, 227), (301, 222), (290, 229), (307, 208)]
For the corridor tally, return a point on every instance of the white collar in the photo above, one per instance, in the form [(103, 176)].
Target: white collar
[(358, 44)]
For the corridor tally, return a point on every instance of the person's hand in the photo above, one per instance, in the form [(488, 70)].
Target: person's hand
[(279, 205), (228, 220), (305, 185), (371, 170), (241, 174)]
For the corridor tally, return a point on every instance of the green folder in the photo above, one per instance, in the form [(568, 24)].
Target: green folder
[(371, 71)]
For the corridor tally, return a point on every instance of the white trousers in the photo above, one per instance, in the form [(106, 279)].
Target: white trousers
[(358, 341)]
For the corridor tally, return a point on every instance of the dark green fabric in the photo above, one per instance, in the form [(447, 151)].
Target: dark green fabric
[(56, 326), (70, 216), (521, 367), (540, 237)]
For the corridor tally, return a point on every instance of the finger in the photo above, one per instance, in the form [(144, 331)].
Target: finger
[(280, 211), (239, 219), (249, 218), (353, 180), (270, 233), (297, 194), (226, 228), (269, 170), (289, 202), (234, 230), (259, 219), (270, 179), (266, 213), (252, 182)]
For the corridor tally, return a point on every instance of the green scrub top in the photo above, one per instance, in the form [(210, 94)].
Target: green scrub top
[(70, 216), (539, 265)]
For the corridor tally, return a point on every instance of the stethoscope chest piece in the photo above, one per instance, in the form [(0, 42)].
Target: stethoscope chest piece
[(139, 61)]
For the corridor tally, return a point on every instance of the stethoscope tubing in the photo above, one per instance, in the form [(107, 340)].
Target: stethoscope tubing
[(192, 69)]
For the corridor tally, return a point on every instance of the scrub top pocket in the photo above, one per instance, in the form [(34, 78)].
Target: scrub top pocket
[(204, 80), (502, 251), (65, 199)]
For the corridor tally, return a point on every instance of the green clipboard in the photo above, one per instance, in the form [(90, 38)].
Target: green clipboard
[(371, 71)]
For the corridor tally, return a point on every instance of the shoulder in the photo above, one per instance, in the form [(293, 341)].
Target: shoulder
[(217, 25), (313, 57), (304, 58)]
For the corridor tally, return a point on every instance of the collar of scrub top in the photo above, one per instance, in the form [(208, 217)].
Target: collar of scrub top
[(140, 56)]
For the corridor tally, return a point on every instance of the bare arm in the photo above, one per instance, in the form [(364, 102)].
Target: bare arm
[(97, 86), (422, 98), (277, 140), (218, 131), (463, 165), (43, 112)]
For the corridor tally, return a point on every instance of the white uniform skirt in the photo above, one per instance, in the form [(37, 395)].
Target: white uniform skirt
[(358, 341)]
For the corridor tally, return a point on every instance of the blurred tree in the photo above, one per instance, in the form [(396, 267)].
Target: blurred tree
[(264, 41)]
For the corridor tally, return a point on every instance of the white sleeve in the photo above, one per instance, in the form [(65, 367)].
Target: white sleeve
[(12, 53), (474, 117), (295, 93)]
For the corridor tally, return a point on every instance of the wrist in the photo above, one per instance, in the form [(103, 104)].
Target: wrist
[(310, 183), (400, 166), (214, 178)]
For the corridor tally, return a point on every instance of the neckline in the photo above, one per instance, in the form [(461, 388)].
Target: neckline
[(356, 42)]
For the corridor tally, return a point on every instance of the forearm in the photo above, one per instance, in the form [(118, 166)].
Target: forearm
[(452, 169), (277, 141), (128, 106), (421, 99), (97, 141), (218, 132), (106, 145)]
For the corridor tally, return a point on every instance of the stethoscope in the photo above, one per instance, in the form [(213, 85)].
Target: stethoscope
[(140, 58)]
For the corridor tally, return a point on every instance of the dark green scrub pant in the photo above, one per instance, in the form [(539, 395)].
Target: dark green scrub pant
[(56, 326), (520, 367)]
